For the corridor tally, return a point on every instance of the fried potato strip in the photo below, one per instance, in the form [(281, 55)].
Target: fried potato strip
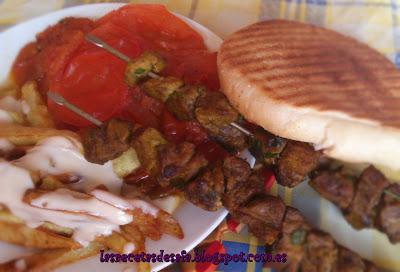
[(21, 135), (37, 113), (49, 260)]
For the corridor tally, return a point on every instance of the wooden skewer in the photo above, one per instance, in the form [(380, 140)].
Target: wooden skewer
[(100, 43), (58, 99)]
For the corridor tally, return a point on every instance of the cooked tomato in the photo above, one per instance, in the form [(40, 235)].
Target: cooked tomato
[(156, 24), (142, 109), (93, 79), (44, 58)]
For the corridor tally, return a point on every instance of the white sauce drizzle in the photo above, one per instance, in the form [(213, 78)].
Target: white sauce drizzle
[(89, 216), (14, 183), (125, 204), (59, 155)]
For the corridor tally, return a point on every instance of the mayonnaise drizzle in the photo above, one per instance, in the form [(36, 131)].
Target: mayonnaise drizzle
[(59, 155), (15, 181), (125, 204), (89, 215)]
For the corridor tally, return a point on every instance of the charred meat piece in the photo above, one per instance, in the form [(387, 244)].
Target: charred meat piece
[(140, 67), (263, 214), (240, 184), (335, 187), (161, 88), (146, 145), (296, 161), (266, 147), (349, 261), (320, 254), (178, 164), (182, 102), (370, 186), (389, 213), (206, 190), (294, 233), (215, 114), (107, 142)]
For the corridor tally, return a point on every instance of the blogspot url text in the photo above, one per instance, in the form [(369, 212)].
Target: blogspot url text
[(198, 257)]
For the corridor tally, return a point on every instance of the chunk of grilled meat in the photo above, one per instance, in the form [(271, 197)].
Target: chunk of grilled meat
[(388, 219), (146, 145), (334, 186), (320, 254), (107, 142), (266, 147), (241, 184), (362, 210), (161, 88), (348, 261), (263, 214), (215, 114), (206, 190), (296, 161), (182, 102), (292, 242), (178, 164)]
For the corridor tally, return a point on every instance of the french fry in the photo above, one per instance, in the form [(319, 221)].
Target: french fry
[(9, 90), (115, 242), (21, 135), (7, 217), (20, 234), (169, 225), (37, 114), (154, 227), (49, 260), (53, 228), (51, 183), (133, 235)]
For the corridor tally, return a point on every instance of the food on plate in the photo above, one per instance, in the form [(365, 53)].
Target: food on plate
[(307, 95)]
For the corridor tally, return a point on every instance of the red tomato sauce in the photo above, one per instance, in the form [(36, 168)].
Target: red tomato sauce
[(62, 61)]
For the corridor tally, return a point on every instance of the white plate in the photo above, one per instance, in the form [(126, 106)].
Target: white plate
[(196, 223)]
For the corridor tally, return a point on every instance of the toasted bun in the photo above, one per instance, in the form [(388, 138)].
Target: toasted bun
[(314, 85)]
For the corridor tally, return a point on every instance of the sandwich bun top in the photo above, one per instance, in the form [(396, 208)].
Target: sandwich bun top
[(314, 85)]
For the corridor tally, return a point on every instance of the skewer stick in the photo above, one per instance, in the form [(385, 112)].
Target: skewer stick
[(242, 129), (58, 99), (100, 43)]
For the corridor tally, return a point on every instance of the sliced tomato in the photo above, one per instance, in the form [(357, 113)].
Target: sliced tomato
[(46, 57), (157, 24), (93, 81)]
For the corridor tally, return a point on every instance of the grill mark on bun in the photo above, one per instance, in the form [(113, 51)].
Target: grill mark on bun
[(307, 66)]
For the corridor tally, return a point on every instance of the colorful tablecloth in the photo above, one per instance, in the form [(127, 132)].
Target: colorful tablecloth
[(375, 22)]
